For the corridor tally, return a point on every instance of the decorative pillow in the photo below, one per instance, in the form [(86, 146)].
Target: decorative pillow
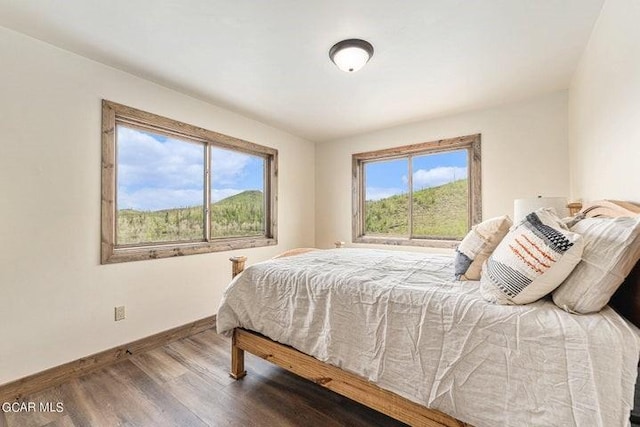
[(570, 221), (477, 245), (531, 261), (612, 248)]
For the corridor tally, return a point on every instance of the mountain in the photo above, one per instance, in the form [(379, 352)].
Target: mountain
[(238, 215), (437, 212), (249, 198)]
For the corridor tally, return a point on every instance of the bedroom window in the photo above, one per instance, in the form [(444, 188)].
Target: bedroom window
[(423, 194), (171, 189)]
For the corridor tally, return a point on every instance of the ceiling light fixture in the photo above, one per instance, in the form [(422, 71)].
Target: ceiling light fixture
[(351, 55)]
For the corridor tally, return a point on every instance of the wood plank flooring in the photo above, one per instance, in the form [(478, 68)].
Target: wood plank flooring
[(186, 383)]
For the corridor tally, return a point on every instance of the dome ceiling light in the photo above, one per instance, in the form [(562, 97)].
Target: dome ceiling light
[(351, 55)]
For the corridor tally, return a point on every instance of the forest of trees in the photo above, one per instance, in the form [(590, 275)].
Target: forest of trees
[(238, 215)]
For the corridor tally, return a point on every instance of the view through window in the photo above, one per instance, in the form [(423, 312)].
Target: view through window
[(237, 194), (417, 193), (176, 193), (160, 194)]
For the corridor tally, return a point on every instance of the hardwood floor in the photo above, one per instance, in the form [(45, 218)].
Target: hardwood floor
[(186, 383)]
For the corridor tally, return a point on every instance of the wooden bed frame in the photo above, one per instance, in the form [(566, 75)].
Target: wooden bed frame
[(626, 301)]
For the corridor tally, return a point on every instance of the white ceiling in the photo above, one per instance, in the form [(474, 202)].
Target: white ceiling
[(269, 59)]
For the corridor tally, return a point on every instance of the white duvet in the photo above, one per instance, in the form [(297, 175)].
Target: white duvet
[(401, 321)]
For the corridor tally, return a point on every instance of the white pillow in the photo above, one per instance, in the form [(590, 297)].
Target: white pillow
[(531, 261), (477, 245), (612, 248)]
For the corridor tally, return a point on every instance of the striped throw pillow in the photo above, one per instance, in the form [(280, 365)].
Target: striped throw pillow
[(531, 261)]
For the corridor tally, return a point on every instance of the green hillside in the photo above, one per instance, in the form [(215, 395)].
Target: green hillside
[(238, 215), (437, 212)]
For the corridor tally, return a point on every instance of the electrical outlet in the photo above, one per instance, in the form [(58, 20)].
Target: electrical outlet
[(119, 311)]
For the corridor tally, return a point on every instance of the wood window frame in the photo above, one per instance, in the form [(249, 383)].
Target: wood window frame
[(114, 113), (471, 143)]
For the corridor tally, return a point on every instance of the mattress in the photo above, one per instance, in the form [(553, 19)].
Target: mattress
[(399, 320)]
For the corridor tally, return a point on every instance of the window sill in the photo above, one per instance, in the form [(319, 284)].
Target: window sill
[(140, 253), (399, 241)]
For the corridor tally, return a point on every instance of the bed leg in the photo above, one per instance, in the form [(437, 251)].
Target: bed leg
[(237, 354), (237, 360)]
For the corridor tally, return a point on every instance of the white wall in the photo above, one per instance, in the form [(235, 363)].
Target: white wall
[(604, 108), (524, 154), (56, 300)]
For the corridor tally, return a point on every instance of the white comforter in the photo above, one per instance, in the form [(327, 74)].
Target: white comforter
[(399, 320)]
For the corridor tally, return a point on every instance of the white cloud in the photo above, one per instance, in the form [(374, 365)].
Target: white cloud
[(227, 166), (143, 161), (153, 199), (160, 174), (377, 193), (425, 178), (158, 198)]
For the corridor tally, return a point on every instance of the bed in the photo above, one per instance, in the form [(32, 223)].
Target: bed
[(428, 350)]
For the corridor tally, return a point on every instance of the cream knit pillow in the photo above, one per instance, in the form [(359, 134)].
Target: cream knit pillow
[(477, 245)]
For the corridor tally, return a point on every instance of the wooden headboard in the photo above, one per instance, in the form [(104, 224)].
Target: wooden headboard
[(626, 300)]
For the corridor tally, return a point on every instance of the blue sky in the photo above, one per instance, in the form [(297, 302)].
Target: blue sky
[(388, 178), (160, 172)]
